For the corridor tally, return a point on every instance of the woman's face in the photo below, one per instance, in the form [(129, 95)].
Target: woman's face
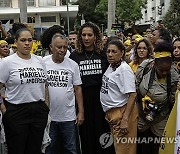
[(114, 54), (176, 51), (155, 36), (4, 50), (88, 38), (142, 50), (24, 43)]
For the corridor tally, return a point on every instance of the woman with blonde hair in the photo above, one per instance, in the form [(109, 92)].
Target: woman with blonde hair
[(4, 49)]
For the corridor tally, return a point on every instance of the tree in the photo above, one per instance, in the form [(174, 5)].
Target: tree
[(87, 8), (172, 18), (126, 10)]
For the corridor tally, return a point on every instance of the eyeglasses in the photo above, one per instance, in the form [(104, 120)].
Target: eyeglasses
[(143, 48)]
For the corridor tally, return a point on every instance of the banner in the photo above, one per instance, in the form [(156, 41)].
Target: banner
[(171, 137)]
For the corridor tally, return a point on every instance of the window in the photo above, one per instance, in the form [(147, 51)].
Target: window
[(31, 19), (162, 2), (47, 2), (5, 3), (30, 2), (48, 19), (63, 2)]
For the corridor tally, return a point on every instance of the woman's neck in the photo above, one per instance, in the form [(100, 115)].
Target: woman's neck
[(141, 60), (24, 56), (89, 49)]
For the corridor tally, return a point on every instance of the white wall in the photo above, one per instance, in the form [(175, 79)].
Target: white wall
[(153, 14)]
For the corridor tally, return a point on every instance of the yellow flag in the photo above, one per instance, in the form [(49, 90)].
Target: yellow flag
[(169, 135)]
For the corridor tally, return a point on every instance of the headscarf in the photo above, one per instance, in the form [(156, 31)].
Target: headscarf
[(3, 41)]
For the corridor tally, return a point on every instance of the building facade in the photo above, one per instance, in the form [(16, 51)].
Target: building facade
[(40, 13), (154, 11)]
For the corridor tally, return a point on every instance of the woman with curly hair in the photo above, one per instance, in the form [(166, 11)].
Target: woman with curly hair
[(142, 51), (93, 63)]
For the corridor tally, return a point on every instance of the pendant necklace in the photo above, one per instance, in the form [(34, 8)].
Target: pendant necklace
[(89, 57)]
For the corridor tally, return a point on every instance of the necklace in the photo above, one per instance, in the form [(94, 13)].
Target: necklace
[(89, 57)]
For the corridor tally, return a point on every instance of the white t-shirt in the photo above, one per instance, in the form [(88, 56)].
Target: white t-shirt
[(24, 79), (116, 85), (61, 79)]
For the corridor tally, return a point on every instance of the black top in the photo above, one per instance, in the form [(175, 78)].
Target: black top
[(92, 66)]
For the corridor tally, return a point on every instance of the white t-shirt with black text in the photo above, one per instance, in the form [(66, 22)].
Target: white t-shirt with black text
[(24, 79), (116, 85), (61, 79)]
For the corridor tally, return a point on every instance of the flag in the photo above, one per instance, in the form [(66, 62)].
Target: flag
[(7, 26)]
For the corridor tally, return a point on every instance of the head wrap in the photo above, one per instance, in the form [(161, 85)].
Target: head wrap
[(3, 41), (127, 42), (162, 54)]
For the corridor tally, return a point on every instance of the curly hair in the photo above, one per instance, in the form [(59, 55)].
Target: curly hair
[(149, 48), (48, 34), (164, 46), (98, 42)]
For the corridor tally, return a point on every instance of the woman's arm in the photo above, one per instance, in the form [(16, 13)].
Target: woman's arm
[(130, 105), (2, 106)]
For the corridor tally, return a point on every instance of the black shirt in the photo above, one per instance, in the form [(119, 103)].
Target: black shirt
[(92, 66)]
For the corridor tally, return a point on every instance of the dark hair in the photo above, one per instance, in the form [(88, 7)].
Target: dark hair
[(149, 48), (48, 34), (119, 45), (96, 30), (109, 39), (72, 32), (10, 40), (164, 35), (163, 46), (16, 26), (177, 39), (18, 32)]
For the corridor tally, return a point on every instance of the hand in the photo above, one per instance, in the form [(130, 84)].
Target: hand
[(80, 118), (124, 127), (3, 108), (178, 85)]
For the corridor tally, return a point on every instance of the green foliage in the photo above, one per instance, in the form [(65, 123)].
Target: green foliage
[(87, 8), (126, 10), (97, 11), (172, 18)]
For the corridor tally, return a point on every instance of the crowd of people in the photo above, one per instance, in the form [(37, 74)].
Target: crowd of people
[(96, 90)]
